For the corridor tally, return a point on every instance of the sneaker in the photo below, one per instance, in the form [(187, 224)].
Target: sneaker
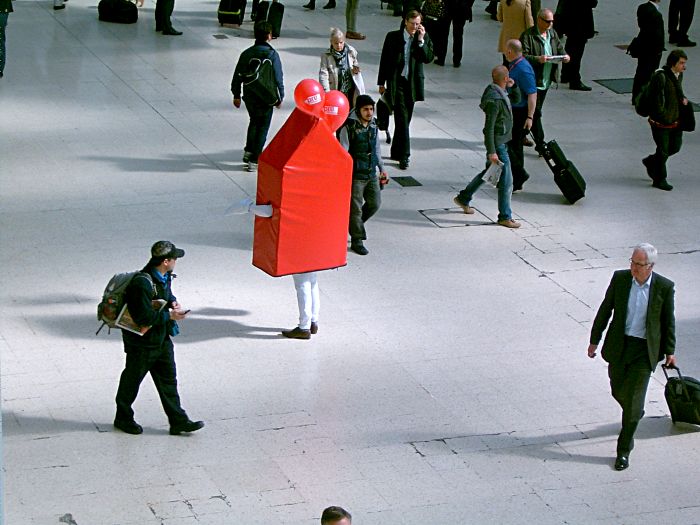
[(252, 167), (509, 223), (297, 333), (466, 209), (246, 156), (359, 248)]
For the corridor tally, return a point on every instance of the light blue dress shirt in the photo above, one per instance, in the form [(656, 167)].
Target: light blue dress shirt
[(636, 322)]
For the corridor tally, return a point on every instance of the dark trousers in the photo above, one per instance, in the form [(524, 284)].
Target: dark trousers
[(160, 362), (403, 113), (259, 125), (537, 129), (680, 15), (646, 65), (571, 71), (364, 203), (515, 148), (439, 32), (3, 25), (668, 142), (164, 10), (629, 379)]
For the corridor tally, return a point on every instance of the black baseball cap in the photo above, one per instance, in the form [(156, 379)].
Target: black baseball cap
[(166, 250)]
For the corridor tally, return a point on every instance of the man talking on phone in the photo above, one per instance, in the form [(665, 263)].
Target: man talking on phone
[(152, 351), (401, 76)]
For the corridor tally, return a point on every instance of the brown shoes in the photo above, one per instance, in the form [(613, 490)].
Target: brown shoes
[(466, 209), (509, 223), (354, 35), (297, 333)]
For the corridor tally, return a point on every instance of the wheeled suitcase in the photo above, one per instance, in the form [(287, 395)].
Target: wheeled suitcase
[(117, 11), (566, 175), (683, 397), (231, 12)]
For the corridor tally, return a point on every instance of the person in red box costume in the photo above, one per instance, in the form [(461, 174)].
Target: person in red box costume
[(306, 176)]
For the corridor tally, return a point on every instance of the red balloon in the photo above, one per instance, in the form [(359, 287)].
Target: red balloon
[(335, 109), (309, 95)]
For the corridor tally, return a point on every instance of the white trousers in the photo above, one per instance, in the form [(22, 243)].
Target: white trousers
[(308, 297)]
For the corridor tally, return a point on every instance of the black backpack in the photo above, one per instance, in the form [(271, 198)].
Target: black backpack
[(259, 82), (643, 101)]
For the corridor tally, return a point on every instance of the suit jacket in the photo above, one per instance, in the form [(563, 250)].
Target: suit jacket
[(660, 322), (575, 18), (392, 61), (651, 36)]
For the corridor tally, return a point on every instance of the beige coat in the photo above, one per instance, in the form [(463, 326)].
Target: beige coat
[(328, 72), (516, 18)]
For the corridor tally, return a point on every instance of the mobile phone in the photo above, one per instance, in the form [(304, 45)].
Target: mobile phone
[(185, 312)]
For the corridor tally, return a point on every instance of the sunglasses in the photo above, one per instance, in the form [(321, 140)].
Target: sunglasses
[(547, 21)]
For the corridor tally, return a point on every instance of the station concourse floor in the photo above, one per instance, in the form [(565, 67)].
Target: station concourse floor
[(448, 382)]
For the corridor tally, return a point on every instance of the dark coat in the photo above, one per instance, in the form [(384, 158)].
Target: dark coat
[(139, 295), (6, 6), (666, 96), (660, 322), (391, 64), (260, 50), (575, 18), (651, 37)]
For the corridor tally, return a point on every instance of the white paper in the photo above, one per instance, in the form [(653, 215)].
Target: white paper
[(493, 173)]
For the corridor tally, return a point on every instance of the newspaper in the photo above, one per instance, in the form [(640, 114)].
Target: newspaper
[(125, 321), (493, 173)]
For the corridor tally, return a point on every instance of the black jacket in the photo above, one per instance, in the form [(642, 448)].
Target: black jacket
[(666, 96), (139, 294), (575, 18), (651, 37), (392, 60), (259, 50)]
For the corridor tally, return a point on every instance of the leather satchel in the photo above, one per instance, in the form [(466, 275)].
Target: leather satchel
[(687, 117)]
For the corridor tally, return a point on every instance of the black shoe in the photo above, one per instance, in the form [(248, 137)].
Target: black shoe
[(310, 6), (297, 333), (187, 426), (171, 31), (57, 7), (518, 186), (686, 42), (439, 62), (314, 328), (359, 248), (403, 164), (457, 64), (580, 86), (388, 137), (672, 38), (130, 427), (649, 165), (662, 185), (622, 462), (329, 5)]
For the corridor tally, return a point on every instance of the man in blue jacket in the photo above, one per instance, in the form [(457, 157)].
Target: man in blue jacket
[(153, 351), (259, 110)]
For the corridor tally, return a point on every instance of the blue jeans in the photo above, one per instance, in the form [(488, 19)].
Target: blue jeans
[(505, 185), (3, 25), (260, 119)]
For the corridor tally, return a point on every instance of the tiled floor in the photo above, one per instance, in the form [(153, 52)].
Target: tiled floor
[(448, 382)]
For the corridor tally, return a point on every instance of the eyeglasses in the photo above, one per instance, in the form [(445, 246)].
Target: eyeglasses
[(638, 264), (547, 21)]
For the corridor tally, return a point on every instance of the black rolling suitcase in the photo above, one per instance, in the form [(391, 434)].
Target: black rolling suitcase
[(566, 175), (683, 397), (231, 12), (117, 11)]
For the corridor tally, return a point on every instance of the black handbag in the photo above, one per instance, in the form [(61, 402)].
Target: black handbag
[(633, 48), (687, 117)]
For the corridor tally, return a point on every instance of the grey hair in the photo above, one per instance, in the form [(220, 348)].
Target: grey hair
[(541, 12), (651, 252), (337, 33)]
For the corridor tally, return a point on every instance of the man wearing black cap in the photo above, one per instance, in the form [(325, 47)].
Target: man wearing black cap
[(360, 136), (153, 351)]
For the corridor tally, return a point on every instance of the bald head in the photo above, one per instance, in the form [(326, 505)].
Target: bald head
[(499, 74), (514, 47)]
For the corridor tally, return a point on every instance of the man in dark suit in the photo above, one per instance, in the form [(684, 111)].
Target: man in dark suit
[(574, 18), (401, 77), (641, 333), (650, 43)]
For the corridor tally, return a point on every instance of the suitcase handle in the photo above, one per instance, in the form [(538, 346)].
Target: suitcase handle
[(684, 387)]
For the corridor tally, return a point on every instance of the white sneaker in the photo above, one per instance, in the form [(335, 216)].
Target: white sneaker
[(252, 167)]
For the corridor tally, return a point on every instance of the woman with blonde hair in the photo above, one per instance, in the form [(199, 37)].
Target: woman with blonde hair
[(516, 16), (340, 68)]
